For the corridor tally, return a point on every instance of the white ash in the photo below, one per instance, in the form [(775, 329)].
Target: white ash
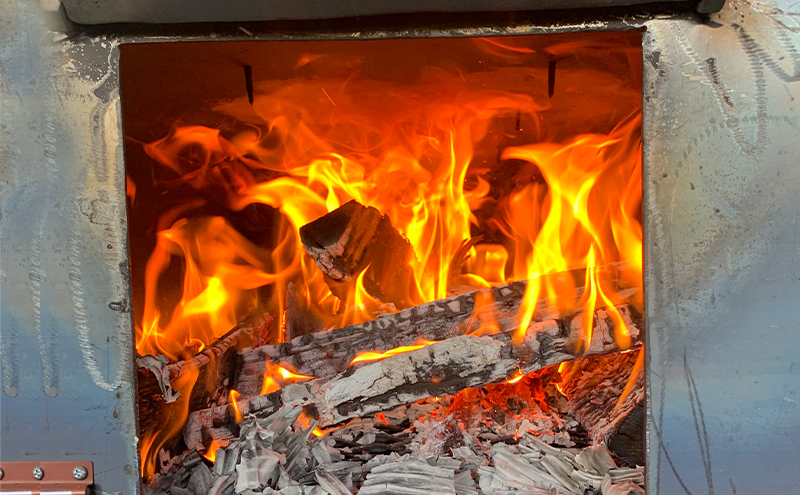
[(433, 454)]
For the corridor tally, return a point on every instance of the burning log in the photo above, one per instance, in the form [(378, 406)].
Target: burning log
[(326, 354), (451, 365), (215, 364), (610, 404), (442, 368), (354, 238)]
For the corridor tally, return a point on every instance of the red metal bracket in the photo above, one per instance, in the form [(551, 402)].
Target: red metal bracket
[(46, 478)]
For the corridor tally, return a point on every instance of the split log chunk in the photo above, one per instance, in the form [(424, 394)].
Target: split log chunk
[(353, 238), (593, 389), (300, 318)]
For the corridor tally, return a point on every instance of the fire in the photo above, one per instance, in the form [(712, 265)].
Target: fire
[(305, 419), (377, 356), (211, 453), (563, 369), (448, 155), (232, 400), (152, 442), (514, 379), (277, 376)]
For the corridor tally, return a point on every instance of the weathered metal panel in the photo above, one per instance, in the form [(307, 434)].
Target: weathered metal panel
[(183, 11), (722, 274), (722, 198), (65, 324)]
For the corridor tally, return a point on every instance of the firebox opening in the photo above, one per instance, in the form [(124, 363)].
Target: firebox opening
[(362, 253)]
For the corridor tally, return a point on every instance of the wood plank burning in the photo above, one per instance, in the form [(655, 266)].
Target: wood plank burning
[(215, 364), (609, 404), (445, 367), (326, 354), (451, 365)]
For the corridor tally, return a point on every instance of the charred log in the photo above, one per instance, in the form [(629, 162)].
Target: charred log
[(326, 354), (216, 364), (451, 365), (442, 368), (300, 318), (354, 238), (609, 403)]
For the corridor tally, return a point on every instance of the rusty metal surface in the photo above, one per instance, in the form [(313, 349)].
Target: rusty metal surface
[(68, 477), (722, 258)]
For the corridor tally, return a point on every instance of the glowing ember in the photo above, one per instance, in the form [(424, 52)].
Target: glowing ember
[(377, 356), (516, 377), (382, 418)]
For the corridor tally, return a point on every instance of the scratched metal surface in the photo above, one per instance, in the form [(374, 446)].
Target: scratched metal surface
[(722, 185), (176, 11), (723, 194), (65, 331)]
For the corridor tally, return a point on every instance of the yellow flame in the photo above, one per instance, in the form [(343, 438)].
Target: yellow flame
[(281, 372), (418, 154), (377, 356), (516, 377), (211, 452), (233, 396)]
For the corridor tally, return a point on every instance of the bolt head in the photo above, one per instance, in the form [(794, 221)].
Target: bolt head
[(79, 473), (38, 473), (1, 473)]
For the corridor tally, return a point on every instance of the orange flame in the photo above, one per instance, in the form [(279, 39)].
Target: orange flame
[(211, 452), (446, 155), (233, 396), (152, 442), (271, 384), (377, 356)]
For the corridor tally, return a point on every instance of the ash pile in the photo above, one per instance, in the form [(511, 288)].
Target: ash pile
[(510, 438)]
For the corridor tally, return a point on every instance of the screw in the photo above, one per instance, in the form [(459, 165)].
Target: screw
[(79, 473), (38, 473), (1, 473)]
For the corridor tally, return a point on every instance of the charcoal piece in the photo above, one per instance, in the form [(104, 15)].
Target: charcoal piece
[(330, 483), (200, 479)]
